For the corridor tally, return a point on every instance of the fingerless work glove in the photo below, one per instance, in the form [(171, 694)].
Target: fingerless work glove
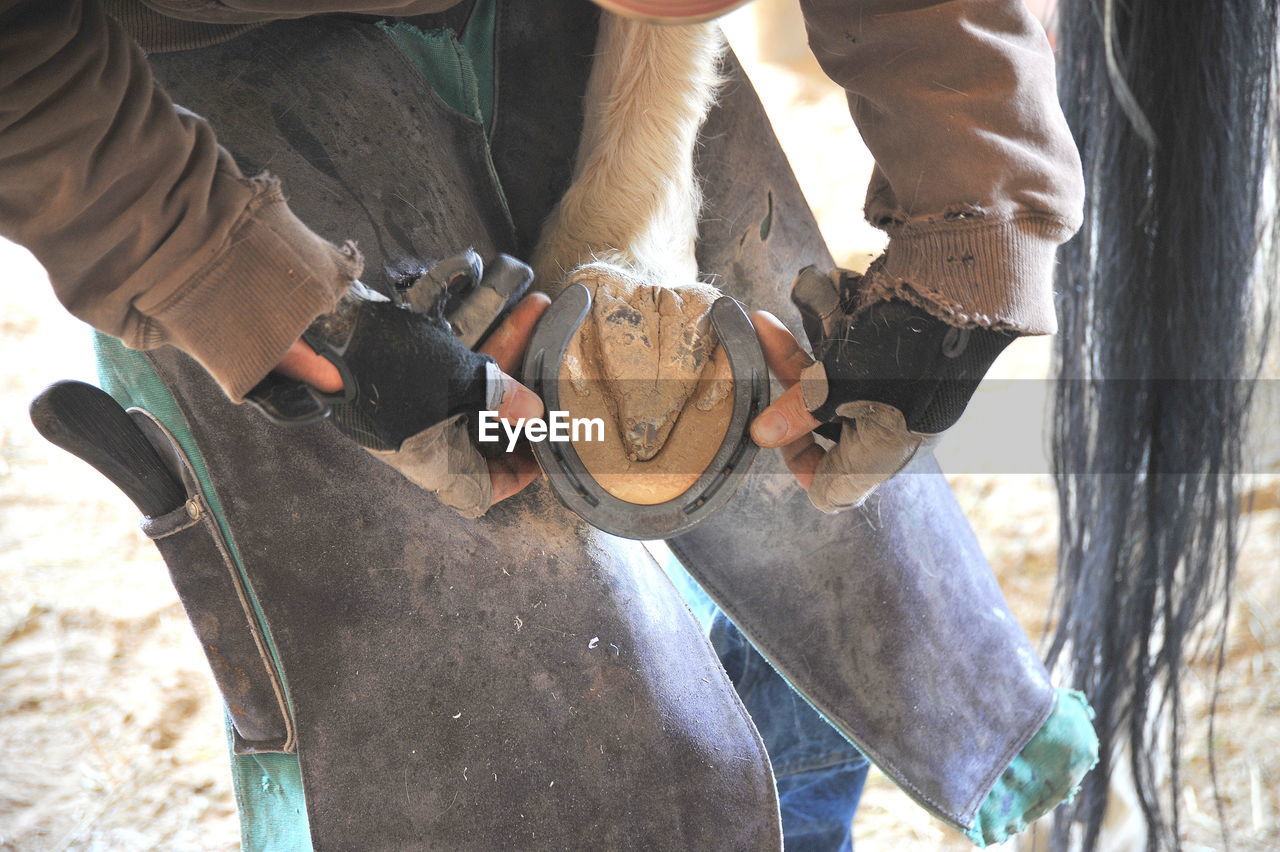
[(888, 379), (412, 387)]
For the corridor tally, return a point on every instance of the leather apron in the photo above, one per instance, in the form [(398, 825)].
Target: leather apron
[(523, 680)]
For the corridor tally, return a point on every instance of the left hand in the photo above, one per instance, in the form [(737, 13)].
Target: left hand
[(889, 374), (399, 377)]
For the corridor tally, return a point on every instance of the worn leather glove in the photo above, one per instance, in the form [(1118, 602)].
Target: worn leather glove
[(888, 379), (412, 387)]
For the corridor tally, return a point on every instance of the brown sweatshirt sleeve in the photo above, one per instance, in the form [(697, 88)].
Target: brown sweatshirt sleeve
[(977, 178), (146, 227)]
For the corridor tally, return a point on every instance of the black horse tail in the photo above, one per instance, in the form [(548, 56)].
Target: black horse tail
[(1166, 301)]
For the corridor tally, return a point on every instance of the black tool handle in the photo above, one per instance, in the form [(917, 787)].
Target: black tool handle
[(86, 422)]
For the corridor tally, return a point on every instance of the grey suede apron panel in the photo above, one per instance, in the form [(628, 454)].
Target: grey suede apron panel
[(427, 654), (887, 618), (521, 681)]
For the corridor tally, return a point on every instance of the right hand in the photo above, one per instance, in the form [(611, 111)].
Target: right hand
[(397, 379), (889, 375)]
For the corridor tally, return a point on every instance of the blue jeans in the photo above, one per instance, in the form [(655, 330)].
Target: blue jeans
[(820, 775)]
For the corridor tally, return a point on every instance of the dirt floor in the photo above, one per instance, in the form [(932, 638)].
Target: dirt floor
[(110, 729)]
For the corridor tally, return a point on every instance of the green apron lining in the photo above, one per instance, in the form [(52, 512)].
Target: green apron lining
[(459, 66), (1046, 773), (270, 801)]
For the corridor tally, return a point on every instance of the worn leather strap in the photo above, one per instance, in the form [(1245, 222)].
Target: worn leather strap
[(216, 601)]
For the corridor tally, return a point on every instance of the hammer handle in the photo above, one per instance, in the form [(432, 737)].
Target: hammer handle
[(88, 423)]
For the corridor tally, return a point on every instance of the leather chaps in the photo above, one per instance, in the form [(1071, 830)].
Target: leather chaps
[(523, 680)]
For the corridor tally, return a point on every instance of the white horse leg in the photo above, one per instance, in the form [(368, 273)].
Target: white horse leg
[(634, 199), (627, 229)]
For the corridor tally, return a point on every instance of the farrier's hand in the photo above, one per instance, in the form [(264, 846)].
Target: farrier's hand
[(399, 379), (891, 376)]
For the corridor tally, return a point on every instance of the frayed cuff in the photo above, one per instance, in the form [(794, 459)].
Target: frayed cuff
[(240, 313), (973, 272)]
